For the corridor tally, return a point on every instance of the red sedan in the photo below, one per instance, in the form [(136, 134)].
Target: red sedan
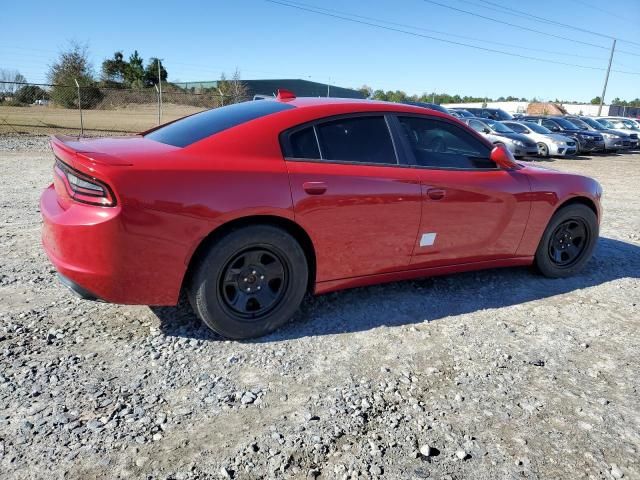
[(250, 206)]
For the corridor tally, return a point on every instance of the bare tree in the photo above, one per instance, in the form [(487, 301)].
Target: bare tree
[(11, 81), (232, 91)]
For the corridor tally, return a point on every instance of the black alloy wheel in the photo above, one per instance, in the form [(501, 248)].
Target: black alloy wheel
[(568, 242), (253, 283), (249, 281)]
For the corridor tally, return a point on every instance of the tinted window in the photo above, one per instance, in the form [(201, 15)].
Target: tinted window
[(304, 144), (440, 144), (565, 124), (516, 127), (550, 124), (360, 139), (190, 129), (478, 126)]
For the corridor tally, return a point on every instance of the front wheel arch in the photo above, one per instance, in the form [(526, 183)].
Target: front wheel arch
[(586, 201)]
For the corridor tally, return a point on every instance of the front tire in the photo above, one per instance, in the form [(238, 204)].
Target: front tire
[(250, 282), (543, 150), (568, 241)]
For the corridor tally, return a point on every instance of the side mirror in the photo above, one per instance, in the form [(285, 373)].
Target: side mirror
[(502, 157), (486, 130)]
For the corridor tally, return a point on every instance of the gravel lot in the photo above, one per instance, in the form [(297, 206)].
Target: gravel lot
[(492, 375)]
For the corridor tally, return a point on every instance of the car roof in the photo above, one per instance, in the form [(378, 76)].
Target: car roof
[(331, 105)]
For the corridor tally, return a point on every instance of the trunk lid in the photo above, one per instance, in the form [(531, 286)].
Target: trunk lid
[(112, 151)]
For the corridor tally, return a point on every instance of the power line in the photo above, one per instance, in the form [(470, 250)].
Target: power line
[(554, 22), (452, 42), (586, 4), (522, 27), (413, 27)]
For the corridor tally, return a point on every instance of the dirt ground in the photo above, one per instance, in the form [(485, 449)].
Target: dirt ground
[(41, 119), (499, 374)]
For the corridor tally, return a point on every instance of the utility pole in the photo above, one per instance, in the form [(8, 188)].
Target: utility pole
[(159, 92), (606, 79), (80, 108)]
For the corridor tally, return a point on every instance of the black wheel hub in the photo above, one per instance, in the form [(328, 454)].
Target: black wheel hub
[(253, 283), (568, 242)]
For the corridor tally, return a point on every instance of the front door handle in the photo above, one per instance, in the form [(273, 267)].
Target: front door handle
[(436, 194), (314, 188)]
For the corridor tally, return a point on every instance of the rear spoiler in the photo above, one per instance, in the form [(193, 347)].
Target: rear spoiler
[(74, 151)]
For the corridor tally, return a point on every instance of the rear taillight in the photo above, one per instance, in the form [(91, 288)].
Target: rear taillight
[(84, 188)]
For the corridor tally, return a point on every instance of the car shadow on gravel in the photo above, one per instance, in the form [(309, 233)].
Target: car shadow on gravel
[(423, 300)]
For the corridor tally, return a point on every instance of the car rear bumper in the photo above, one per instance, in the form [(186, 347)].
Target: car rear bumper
[(97, 258)]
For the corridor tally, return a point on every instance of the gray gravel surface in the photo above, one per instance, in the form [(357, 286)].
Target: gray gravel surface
[(499, 374)]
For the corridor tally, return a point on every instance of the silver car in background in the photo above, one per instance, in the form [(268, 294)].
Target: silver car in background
[(613, 139), (549, 144), (498, 133), (622, 127)]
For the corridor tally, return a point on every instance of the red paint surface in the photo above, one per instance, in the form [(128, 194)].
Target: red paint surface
[(365, 222)]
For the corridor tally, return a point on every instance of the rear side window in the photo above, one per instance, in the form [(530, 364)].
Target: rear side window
[(358, 139), (188, 130), (439, 144), (304, 144), (516, 127)]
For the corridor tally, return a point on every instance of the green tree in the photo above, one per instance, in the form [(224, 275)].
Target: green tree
[(114, 69), (134, 71), (73, 66), (151, 72), (595, 101), (366, 90), (28, 94)]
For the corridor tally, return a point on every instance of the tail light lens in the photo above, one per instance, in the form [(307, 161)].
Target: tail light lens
[(84, 188)]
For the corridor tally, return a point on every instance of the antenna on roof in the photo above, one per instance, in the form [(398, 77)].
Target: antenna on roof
[(284, 94)]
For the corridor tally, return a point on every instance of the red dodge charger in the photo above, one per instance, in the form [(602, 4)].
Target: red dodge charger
[(249, 207)]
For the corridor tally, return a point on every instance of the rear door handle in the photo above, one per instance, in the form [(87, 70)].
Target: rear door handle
[(436, 194), (314, 188)]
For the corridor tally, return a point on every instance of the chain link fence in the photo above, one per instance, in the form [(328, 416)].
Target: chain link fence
[(45, 108)]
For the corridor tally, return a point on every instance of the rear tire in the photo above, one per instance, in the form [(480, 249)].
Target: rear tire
[(568, 241), (250, 282)]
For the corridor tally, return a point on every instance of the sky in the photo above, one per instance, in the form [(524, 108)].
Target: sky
[(199, 40)]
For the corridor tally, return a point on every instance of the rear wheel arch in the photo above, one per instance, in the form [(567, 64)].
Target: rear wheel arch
[(289, 226)]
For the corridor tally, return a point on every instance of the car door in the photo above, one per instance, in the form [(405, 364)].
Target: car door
[(472, 210), (358, 204)]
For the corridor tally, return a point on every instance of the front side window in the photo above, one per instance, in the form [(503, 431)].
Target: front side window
[(439, 144), (357, 139)]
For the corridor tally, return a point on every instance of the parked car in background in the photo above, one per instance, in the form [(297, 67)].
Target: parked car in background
[(432, 106), (328, 194), (499, 134), (492, 113), (617, 127), (613, 139), (461, 113), (549, 144), (586, 141)]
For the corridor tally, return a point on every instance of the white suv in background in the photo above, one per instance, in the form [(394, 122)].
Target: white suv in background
[(549, 144)]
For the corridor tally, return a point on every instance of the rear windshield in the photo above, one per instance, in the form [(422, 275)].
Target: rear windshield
[(191, 129)]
